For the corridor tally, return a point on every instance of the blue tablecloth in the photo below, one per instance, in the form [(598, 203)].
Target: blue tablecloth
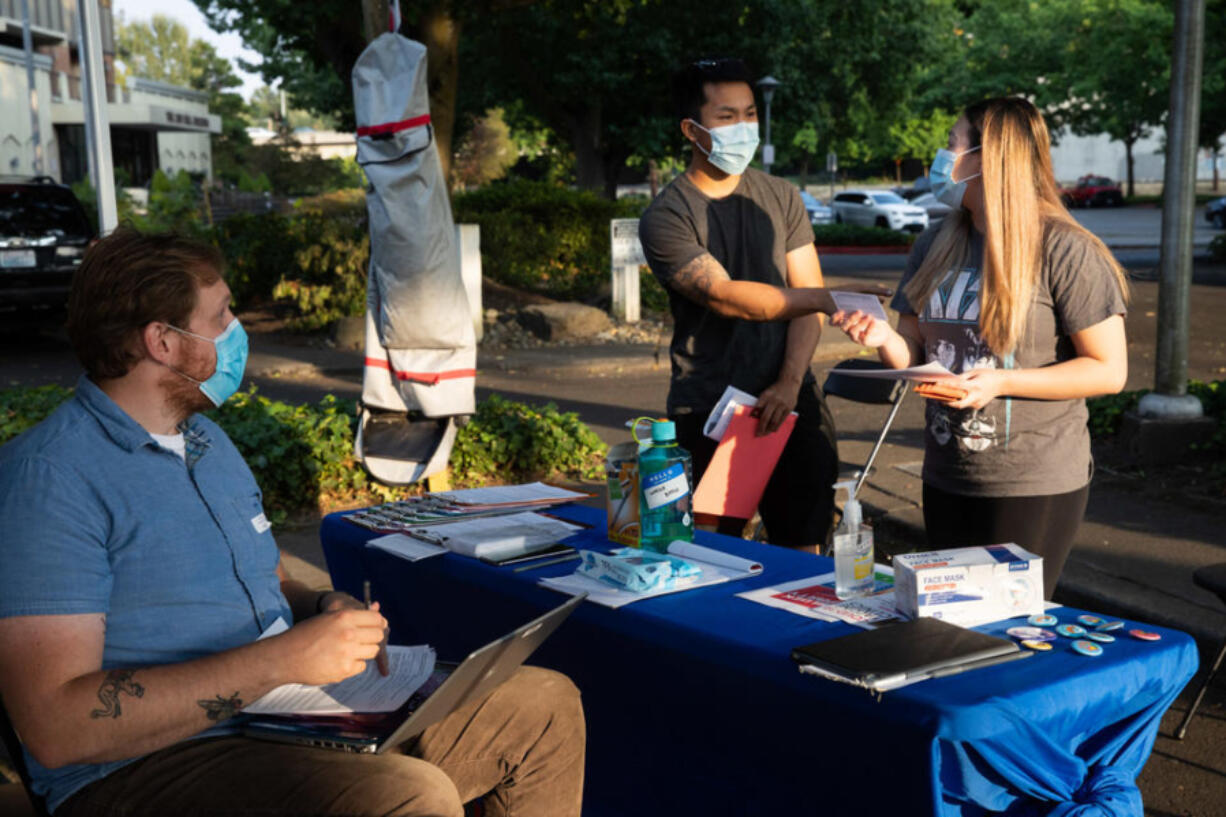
[(695, 707)]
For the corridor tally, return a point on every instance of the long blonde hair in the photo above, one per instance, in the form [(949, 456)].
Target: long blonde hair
[(1022, 206)]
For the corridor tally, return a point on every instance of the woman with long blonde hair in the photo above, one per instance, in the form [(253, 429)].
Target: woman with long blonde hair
[(1027, 308)]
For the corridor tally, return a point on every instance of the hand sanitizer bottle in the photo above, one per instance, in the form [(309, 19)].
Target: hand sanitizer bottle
[(853, 549)]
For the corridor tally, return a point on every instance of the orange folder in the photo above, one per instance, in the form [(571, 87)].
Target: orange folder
[(743, 463)]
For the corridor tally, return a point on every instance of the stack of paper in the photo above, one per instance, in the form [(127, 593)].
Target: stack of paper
[(449, 506), (368, 691), (497, 537), (814, 597)]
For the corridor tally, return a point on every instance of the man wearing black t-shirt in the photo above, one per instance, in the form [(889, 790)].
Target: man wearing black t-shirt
[(734, 249)]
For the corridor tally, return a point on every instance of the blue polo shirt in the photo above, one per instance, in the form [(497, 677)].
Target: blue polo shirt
[(95, 517)]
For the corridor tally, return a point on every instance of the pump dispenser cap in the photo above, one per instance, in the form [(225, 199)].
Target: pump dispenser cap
[(851, 508), (663, 431)]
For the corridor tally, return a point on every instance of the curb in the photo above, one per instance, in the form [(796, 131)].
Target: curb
[(893, 249)]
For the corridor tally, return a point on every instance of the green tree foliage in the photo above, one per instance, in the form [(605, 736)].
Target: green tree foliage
[(485, 153), (1093, 66)]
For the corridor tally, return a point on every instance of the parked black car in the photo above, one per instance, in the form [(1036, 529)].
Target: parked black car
[(43, 235), (1215, 213)]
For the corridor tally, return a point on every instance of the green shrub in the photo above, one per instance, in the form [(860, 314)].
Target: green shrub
[(1107, 413), (314, 259), (509, 441), (302, 456), (853, 235), (544, 238)]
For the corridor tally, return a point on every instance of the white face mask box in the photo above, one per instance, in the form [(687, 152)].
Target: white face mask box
[(969, 586)]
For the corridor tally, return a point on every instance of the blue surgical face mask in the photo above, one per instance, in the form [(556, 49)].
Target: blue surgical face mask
[(941, 174), (732, 146), (231, 362)]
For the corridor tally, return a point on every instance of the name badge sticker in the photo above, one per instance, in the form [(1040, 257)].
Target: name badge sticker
[(260, 523)]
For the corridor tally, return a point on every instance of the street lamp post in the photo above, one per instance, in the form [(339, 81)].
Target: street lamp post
[(768, 84)]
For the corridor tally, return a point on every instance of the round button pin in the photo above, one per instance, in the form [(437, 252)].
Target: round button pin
[(1037, 646), (1101, 638), (1087, 648), (1070, 630), (1089, 621), (1110, 626), (1145, 635), (1031, 634), (1042, 620)]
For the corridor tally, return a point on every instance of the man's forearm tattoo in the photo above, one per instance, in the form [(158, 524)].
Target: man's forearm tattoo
[(116, 681), (221, 708), (697, 278)]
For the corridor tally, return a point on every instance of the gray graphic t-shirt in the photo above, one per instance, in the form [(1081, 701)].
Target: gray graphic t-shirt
[(1012, 446)]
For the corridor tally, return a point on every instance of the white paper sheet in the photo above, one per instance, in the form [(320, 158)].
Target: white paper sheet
[(851, 301), (368, 691), (931, 372), (497, 537), (720, 416), (611, 596), (511, 494), (699, 553), (814, 598), (406, 547)]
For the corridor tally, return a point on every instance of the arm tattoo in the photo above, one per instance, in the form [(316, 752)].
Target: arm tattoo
[(116, 681), (221, 708), (697, 278)]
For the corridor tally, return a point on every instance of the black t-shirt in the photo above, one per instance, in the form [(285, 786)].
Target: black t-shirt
[(750, 232)]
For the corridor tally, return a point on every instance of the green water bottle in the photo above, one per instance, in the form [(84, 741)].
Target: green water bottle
[(664, 490)]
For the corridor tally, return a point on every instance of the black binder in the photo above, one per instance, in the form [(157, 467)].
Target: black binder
[(900, 654)]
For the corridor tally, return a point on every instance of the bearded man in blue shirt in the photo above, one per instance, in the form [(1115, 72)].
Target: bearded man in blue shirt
[(138, 571)]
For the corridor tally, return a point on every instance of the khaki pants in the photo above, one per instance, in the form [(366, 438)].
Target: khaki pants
[(522, 747)]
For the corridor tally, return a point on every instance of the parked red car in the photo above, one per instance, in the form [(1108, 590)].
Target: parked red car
[(1093, 191)]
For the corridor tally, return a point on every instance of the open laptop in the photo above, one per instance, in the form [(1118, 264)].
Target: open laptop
[(450, 687)]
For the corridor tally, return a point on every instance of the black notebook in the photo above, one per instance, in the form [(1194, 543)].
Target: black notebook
[(900, 654)]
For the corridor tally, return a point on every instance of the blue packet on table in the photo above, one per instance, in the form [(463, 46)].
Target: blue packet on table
[(639, 571)]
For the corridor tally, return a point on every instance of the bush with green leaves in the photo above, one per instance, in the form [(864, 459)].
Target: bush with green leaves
[(509, 441), (302, 455), (542, 237), (853, 235)]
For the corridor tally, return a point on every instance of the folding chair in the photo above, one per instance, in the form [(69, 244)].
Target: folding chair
[(13, 746), (866, 390), (1213, 579)]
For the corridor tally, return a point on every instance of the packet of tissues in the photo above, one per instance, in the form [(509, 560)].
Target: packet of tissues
[(639, 571)]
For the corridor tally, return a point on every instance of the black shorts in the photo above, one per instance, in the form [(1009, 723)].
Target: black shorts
[(798, 504)]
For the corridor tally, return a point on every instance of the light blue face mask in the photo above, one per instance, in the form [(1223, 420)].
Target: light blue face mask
[(231, 362), (732, 146), (941, 174)]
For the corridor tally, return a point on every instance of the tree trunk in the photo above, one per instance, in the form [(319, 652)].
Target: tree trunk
[(804, 172), (374, 18), (1132, 190), (440, 33), (589, 158), (612, 168)]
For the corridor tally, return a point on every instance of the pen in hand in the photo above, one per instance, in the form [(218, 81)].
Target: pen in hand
[(381, 658)]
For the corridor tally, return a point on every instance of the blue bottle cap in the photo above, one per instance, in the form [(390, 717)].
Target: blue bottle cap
[(1110, 626), (1042, 620), (1071, 630), (663, 431), (1101, 638), (1087, 648), (1089, 621)]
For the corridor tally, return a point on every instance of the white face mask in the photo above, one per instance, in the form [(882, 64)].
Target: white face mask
[(732, 146), (941, 174)]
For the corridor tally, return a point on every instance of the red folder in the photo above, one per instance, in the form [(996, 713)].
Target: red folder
[(743, 463)]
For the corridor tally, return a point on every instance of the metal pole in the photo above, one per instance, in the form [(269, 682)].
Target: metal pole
[(1178, 214), (97, 125), (27, 43)]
